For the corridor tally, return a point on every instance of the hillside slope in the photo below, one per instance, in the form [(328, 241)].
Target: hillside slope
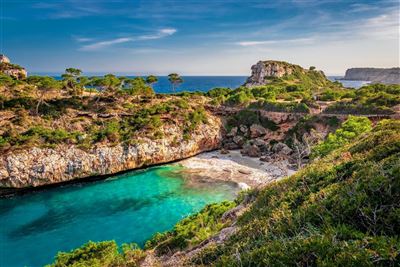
[(342, 210)]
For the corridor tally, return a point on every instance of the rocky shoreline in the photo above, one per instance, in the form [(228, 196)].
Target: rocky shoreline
[(37, 167)]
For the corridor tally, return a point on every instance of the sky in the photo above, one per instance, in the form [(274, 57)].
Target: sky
[(219, 37)]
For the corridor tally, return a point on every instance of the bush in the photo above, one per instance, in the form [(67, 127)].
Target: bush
[(192, 230), (350, 129), (99, 254), (281, 107)]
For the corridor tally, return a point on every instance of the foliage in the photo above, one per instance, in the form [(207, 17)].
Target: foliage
[(191, 230), (151, 79), (99, 254), (370, 99), (352, 128), (138, 86), (341, 210), (281, 107), (249, 117), (241, 98), (175, 79)]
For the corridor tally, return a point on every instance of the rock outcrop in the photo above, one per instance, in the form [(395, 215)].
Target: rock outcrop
[(272, 71), (42, 166), (264, 70), (374, 75), (10, 69)]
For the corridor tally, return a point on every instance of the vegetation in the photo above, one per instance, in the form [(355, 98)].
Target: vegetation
[(100, 254), (175, 80), (352, 128), (192, 230), (249, 117), (341, 210), (44, 112), (370, 99)]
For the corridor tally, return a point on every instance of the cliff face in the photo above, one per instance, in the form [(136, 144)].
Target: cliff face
[(279, 72), (263, 70), (375, 75), (10, 69), (42, 166)]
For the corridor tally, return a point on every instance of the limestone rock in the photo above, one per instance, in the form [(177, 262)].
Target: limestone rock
[(239, 140), (281, 148), (232, 132), (41, 166), (251, 150), (374, 75), (243, 128), (263, 70), (257, 130)]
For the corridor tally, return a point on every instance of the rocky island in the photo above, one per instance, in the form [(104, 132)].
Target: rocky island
[(374, 75)]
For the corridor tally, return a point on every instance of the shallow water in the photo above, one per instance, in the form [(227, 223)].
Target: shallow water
[(130, 207)]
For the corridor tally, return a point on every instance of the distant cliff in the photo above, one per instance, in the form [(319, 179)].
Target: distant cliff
[(375, 75)]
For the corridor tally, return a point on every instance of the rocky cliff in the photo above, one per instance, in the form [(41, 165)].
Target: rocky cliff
[(272, 71), (374, 75), (10, 69), (43, 166)]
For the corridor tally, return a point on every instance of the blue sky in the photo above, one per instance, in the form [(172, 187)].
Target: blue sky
[(198, 37)]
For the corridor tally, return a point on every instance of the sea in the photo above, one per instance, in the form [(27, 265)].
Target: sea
[(205, 83)]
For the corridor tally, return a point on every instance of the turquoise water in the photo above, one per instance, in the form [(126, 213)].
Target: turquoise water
[(128, 208)]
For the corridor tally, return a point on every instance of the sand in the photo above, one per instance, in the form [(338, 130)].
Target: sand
[(246, 172)]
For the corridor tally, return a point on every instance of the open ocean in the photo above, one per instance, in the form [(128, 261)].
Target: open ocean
[(205, 83)]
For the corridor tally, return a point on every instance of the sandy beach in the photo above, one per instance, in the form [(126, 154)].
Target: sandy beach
[(246, 171)]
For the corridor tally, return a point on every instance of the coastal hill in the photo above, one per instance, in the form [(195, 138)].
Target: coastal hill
[(280, 72), (374, 75)]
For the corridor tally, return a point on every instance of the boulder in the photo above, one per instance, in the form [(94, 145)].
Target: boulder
[(257, 130), (224, 151), (232, 132), (231, 146), (251, 150), (281, 148), (243, 128), (239, 140)]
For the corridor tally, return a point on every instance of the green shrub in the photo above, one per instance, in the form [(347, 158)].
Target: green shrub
[(100, 254), (191, 230), (350, 129)]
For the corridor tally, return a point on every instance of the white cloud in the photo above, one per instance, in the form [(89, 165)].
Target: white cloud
[(160, 34), (268, 42), (103, 44)]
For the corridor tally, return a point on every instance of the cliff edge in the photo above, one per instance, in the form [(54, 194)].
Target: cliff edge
[(374, 75)]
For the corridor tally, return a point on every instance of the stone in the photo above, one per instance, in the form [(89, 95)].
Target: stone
[(243, 128), (4, 59), (224, 151), (265, 158), (38, 166), (232, 132), (263, 70), (251, 150), (281, 148), (239, 140), (230, 146), (257, 130)]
